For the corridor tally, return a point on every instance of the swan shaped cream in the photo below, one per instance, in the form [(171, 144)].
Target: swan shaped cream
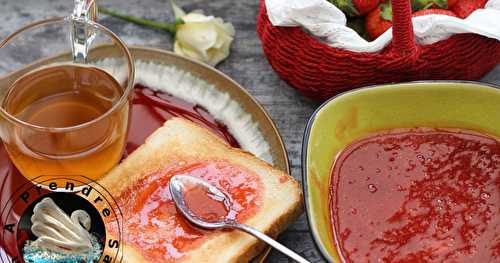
[(56, 231)]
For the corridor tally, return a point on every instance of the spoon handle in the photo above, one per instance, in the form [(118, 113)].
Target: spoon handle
[(271, 242)]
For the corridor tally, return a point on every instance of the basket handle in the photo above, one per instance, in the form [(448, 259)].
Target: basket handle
[(403, 36)]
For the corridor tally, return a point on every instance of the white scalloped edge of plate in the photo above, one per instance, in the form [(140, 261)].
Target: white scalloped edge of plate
[(184, 85)]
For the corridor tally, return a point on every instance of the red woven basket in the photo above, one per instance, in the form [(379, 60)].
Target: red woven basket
[(320, 71)]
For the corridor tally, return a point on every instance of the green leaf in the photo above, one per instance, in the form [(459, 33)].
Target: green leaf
[(386, 11), (346, 6), (441, 3), (426, 4)]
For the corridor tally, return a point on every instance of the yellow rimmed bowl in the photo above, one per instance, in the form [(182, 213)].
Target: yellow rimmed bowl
[(358, 113)]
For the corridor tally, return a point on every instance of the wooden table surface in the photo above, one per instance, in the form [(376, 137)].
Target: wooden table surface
[(247, 65)]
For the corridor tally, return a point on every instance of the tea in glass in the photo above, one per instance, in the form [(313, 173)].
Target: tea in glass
[(53, 101)]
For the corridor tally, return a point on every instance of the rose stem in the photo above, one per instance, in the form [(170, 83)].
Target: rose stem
[(170, 27)]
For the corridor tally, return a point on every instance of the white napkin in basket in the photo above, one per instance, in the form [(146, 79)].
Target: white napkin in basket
[(325, 21)]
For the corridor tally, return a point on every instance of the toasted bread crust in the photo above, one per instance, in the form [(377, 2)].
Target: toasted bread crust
[(179, 139)]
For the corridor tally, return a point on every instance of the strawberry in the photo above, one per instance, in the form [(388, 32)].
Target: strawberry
[(452, 3), (355, 7), (380, 20), (463, 8), (434, 11), (365, 6), (376, 21)]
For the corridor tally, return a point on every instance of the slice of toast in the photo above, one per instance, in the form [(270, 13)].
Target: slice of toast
[(178, 139)]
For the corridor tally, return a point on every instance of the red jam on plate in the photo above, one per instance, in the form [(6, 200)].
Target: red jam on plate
[(418, 195), (159, 231), (150, 109)]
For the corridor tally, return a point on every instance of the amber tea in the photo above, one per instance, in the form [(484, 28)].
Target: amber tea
[(54, 101)]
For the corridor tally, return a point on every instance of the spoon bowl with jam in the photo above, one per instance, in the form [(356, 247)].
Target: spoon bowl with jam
[(208, 207)]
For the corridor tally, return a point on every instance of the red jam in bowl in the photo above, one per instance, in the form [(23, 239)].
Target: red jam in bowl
[(159, 231), (421, 195)]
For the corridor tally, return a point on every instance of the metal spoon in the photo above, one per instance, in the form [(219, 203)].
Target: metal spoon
[(178, 184)]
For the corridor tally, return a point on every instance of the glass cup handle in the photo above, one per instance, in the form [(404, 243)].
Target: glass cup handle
[(85, 9), (82, 34)]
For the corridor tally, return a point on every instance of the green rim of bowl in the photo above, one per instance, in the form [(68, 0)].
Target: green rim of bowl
[(305, 146)]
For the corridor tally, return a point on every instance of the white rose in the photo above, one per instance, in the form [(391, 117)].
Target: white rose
[(204, 38)]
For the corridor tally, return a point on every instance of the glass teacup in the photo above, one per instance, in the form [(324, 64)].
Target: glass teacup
[(65, 90)]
